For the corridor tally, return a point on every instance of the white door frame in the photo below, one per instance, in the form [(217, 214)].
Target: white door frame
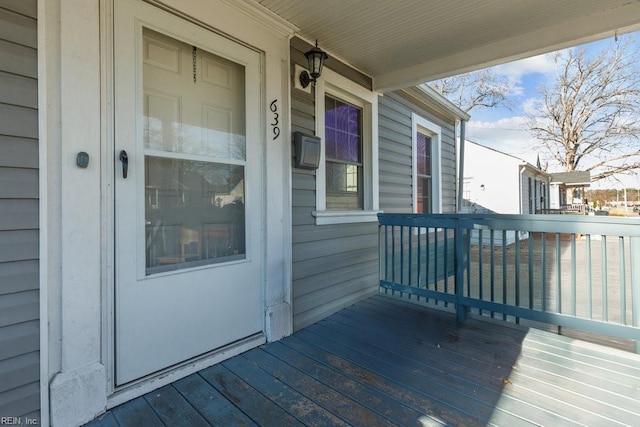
[(77, 284)]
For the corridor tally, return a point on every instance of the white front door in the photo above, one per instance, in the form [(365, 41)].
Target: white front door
[(188, 193)]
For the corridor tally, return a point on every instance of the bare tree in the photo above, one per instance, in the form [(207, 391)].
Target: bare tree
[(483, 88), (589, 118)]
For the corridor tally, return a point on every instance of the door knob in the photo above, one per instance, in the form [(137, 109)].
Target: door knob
[(125, 163)]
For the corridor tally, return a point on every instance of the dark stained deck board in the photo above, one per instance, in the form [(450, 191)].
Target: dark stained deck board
[(368, 396), (389, 362), (257, 406), (350, 411), (105, 420), (276, 385), (136, 412), (212, 405), (172, 408)]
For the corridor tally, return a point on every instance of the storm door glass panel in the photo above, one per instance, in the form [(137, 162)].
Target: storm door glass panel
[(195, 156), (424, 180), (343, 145)]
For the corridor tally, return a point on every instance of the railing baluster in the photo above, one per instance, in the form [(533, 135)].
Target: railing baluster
[(543, 237), (427, 257), (480, 266), (634, 249), (530, 270), (461, 313), (558, 275), (411, 229), (573, 274), (446, 264), (492, 270), (589, 281), (435, 260), (382, 259), (419, 278), (393, 256), (504, 270), (623, 282), (469, 232), (387, 255), (402, 256), (605, 311), (517, 266)]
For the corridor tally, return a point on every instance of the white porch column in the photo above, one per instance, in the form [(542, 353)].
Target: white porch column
[(71, 55)]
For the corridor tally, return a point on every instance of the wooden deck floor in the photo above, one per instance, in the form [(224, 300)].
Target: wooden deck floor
[(388, 362)]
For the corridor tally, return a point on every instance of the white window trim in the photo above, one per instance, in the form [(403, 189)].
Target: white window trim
[(419, 123), (343, 88)]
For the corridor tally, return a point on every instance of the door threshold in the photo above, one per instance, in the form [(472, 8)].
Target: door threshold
[(159, 379)]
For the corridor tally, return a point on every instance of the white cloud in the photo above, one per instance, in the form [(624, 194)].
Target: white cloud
[(537, 64), (531, 106), (515, 71)]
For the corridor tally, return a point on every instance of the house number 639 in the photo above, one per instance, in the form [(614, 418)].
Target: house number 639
[(276, 119)]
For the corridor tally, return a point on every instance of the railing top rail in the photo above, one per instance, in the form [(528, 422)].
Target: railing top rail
[(596, 225)]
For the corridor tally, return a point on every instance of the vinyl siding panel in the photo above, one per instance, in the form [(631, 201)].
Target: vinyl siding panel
[(18, 121), (18, 214), (395, 148), (18, 59), (19, 210), (18, 90), (19, 276), (333, 265), (18, 152), (18, 339), (17, 28), (23, 7)]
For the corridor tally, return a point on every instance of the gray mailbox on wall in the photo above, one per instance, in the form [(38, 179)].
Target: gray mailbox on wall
[(307, 150)]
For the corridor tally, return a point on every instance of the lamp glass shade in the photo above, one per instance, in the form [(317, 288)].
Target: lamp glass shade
[(316, 58)]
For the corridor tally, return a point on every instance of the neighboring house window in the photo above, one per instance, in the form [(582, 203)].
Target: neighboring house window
[(427, 189), (347, 178)]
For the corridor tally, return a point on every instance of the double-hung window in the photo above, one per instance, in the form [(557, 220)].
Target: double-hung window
[(424, 170), (427, 189), (347, 178), (343, 154)]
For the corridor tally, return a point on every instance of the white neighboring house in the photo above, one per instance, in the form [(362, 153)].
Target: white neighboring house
[(496, 182)]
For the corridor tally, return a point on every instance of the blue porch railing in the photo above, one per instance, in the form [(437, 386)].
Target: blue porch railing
[(581, 272)]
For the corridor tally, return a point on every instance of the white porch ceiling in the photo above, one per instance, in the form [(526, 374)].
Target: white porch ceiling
[(401, 43)]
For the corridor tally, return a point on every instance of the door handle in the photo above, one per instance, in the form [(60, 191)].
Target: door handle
[(125, 163)]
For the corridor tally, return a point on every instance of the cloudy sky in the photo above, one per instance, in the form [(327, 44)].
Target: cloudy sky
[(505, 129)]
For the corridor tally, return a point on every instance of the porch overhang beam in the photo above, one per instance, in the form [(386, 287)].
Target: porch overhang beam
[(608, 23)]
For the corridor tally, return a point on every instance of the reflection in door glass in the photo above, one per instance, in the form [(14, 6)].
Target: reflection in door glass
[(194, 138), (194, 213)]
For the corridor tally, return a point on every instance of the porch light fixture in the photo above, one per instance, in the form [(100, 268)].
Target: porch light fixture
[(316, 58)]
